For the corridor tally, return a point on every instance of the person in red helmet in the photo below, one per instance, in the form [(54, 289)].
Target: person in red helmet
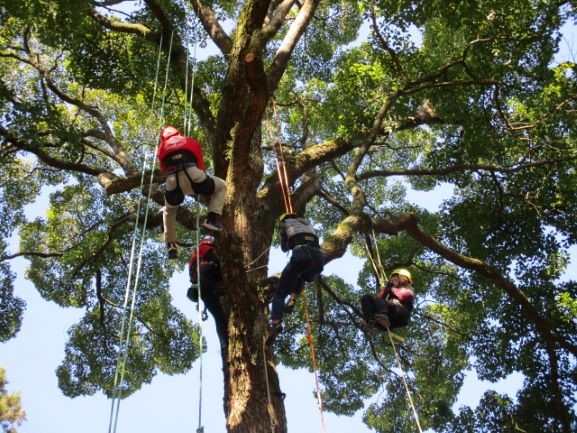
[(181, 160), (392, 306), (204, 272)]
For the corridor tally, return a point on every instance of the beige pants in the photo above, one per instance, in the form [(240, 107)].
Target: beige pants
[(215, 201)]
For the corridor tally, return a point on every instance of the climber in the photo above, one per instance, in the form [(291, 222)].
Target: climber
[(392, 306), (181, 160), (211, 283), (305, 264)]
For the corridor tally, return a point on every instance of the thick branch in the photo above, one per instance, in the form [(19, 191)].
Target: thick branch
[(296, 30), (271, 28), (463, 167), (212, 27), (306, 160)]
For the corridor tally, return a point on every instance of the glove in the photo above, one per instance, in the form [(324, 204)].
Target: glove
[(388, 289)]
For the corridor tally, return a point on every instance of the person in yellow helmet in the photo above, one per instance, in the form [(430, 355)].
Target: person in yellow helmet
[(391, 307)]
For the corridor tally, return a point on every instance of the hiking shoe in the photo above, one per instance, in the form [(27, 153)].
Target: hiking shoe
[(290, 305), (369, 328), (214, 226), (172, 250), (382, 320)]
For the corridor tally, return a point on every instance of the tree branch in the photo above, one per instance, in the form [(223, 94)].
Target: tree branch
[(283, 53), (211, 25), (463, 167)]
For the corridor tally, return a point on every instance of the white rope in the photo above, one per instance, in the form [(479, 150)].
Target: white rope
[(128, 315), (269, 407), (200, 428), (398, 358)]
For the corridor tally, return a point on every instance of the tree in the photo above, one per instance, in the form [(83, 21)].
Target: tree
[(11, 414), (464, 96)]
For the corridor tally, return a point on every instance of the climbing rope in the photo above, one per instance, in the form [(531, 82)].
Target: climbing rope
[(314, 361), (128, 315), (270, 408), (406, 385), (275, 138), (283, 178), (375, 262), (188, 105), (202, 315), (200, 428), (248, 265)]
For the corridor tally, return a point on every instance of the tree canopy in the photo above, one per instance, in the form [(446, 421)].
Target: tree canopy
[(11, 414), (371, 101)]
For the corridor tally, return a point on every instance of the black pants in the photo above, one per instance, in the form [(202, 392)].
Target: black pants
[(305, 264), (210, 291), (397, 313)]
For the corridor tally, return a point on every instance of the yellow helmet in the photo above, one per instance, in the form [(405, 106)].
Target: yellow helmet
[(404, 273)]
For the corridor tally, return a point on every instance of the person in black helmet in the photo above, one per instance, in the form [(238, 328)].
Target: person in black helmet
[(204, 267), (305, 264)]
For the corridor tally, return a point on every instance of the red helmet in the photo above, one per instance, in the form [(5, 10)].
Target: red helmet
[(207, 239), (168, 131)]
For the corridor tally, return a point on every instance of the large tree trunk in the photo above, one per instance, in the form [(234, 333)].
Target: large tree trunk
[(252, 397)]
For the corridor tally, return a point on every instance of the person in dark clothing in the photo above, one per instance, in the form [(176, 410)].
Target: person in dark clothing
[(211, 283), (392, 306), (305, 264)]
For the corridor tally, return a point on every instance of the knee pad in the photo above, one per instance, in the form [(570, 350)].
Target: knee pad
[(205, 187), (174, 197)]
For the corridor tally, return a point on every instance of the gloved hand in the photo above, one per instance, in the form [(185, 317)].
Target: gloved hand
[(385, 291)]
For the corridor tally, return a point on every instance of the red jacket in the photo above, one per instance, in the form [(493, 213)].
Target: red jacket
[(403, 294), (172, 141), (207, 257)]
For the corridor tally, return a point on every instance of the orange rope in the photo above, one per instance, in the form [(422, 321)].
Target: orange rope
[(283, 180), (314, 361), (283, 177)]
